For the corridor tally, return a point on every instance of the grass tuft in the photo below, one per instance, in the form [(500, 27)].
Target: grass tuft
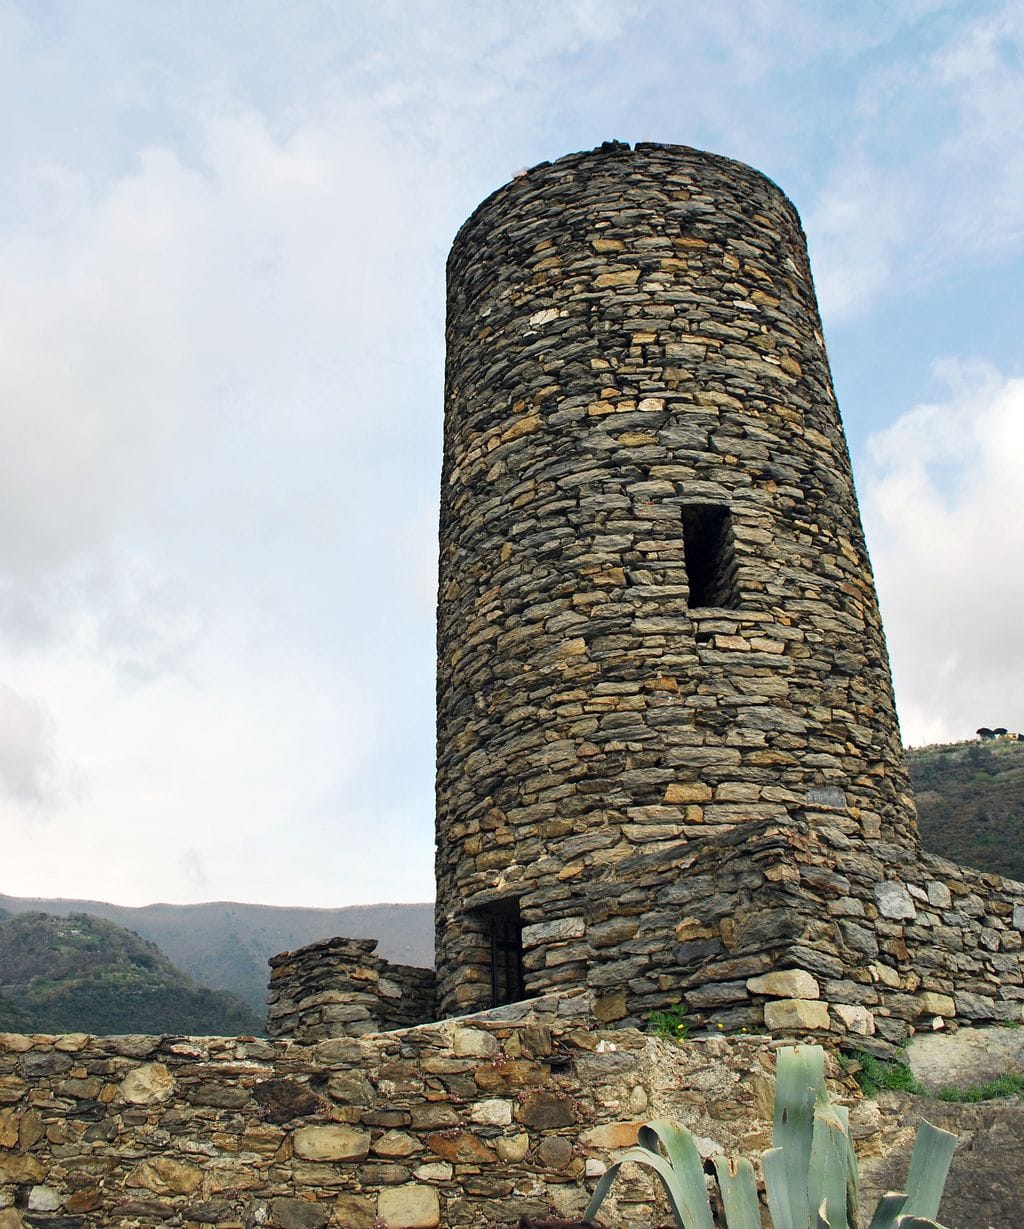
[(992, 1090), (874, 1074)]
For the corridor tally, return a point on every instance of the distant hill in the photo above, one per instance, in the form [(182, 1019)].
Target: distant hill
[(227, 945), (84, 974), (970, 803)]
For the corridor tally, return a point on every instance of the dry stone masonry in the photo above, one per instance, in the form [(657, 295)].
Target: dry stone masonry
[(669, 767), (341, 988), (453, 1124), (661, 669), (465, 1123)]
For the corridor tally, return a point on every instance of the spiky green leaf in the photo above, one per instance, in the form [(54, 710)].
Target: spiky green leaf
[(681, 1173), (929, 1165), (888, 1211), (827, 1172), (773, 1166), (689, 1190), (799, 1087), (738, 1185)]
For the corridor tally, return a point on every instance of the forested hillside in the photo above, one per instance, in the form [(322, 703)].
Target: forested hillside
[(227, 944), (970, 802), (84, 974)]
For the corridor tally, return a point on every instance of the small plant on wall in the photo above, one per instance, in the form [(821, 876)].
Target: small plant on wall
[(810, 1173), (670, 1023)]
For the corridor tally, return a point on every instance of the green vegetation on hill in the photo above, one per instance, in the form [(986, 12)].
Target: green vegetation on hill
[(227, 944), (970, 803), (84, 974)]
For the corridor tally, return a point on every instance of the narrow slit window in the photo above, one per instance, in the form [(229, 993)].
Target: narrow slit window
[(710, 556), (506, 934)]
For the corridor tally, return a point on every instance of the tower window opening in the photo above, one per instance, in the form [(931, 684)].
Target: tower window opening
[(710, 555), (505, 929)]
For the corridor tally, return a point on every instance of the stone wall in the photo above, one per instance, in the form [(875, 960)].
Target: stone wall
[(639, 421), (340, 988), (465, 1123), (795, 931), (669, 768)]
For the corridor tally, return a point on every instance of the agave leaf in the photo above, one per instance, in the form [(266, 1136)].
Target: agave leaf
[(929, 1165), (640, 1156), (852, 1177), (604, 1185), (682, 1176), (888, 1211), (827, 1177), (917, 1222), (799, 1086), (689, 1191), (689, 1205), (773, 1166), (738, 1185), (821, 1220)]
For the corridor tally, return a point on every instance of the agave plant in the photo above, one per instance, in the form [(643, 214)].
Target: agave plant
[(810, 1172)]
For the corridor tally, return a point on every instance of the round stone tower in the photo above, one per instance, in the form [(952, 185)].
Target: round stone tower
[(659, 644)]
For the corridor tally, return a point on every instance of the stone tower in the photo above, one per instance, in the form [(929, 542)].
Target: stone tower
[(663, 687)]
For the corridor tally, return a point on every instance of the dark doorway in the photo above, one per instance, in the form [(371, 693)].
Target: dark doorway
[(505, 929)]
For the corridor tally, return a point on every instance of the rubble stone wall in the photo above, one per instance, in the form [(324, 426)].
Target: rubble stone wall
[(341, 988), (465, 1123), (633, 339), (803, 931), (798, 931), (462, 1123)]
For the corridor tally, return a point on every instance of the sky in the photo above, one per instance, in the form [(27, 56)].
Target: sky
[(223, 229)]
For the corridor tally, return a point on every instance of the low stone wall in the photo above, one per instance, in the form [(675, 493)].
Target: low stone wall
[(470, 1122), (340, 988), (463, 1123)]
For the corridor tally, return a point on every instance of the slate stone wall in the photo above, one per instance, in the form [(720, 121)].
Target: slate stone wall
[(466, 1123), (340, 988), (799, 930), (447, 1125), (633, 339)]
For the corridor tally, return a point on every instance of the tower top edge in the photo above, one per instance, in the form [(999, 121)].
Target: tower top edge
[(638, 156)]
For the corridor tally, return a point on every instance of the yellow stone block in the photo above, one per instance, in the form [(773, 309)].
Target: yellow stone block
[(932, 1003), (688, 791), (413, 1206), (784, 1015), (626, 277), (527, 424), (613, 1135)]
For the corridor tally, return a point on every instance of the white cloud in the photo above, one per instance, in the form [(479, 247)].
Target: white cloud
[(231, 767), (945, 521), (28, 767)]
